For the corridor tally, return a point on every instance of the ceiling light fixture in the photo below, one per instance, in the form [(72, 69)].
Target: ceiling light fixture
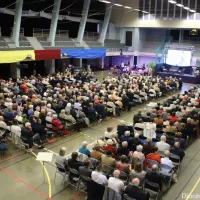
[(171, 1), (192, 11), (136, 9), (104, 1), (128, 7), (179, 5), (186, 8), (145, 11), (116, 4)]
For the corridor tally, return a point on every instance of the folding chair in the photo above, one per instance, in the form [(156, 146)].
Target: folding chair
[(151, 162), (60, 169), (83, 179), (176, 161), (167, 172), (126, 197), (76, 178), (153, 189)]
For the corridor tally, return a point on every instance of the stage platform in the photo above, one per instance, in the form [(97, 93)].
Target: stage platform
[(186, 78)]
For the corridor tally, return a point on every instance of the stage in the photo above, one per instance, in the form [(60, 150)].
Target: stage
[(186, 78)]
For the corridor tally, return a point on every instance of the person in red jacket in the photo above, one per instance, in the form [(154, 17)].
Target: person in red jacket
[(56, 124), (110, 147), (153, 156)]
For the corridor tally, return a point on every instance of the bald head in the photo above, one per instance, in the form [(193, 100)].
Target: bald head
[(1, 118), (176, 144), (116, 173), (135, 181), (167, 153), (154, 168)]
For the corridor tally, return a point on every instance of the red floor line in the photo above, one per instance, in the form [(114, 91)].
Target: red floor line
[(26, 184), (8, 157)]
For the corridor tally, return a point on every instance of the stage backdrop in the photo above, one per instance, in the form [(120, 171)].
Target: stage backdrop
[(84, 53)]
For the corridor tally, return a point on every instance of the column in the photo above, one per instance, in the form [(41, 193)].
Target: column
[(101, 63), (54, 22), (15, 70), (83, 20), (106, 22), (17, 22), (180, 35), (50, 66), (136, 39), (77, 62)]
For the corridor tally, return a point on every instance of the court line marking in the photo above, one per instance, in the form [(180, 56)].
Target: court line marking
[(47, 175), (194, 187), (24, 183)]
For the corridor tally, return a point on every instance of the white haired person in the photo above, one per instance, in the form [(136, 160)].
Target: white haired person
[(84, 149), (29, 137), (115, 183), (138, 153), (134, 192), (162, 145), (56, 124)]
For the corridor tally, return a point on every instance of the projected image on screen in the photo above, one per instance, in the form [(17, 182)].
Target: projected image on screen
[(178, 58)]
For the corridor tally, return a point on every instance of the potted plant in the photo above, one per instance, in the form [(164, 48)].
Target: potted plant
[(153, 67)]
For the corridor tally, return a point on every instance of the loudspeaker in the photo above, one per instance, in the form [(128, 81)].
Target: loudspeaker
[(135, 60), (129, 35)]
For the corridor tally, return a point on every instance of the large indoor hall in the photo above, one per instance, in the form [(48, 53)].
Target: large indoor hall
[(100, 99)]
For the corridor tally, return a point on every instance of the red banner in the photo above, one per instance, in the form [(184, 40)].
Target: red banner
[(47, 54)]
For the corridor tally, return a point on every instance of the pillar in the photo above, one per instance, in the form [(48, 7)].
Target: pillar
[(50, 66), (106, 22), (83, 20), (136, 39), (77, 62), (54, 22), (17, 22), (101, 63), (15, 70), (180, 35)]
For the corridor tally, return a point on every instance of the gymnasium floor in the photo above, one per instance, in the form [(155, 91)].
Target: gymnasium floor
[(22, 177)]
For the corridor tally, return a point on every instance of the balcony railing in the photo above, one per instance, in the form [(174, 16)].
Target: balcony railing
[(45, 33), (91, 35)]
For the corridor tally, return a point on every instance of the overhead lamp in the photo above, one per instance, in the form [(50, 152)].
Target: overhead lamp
[(171, 1), (186, 8), (145, 11), (104, 1), (179, 5), (116, 4), (128, 7), (192, 11), (136, 9)]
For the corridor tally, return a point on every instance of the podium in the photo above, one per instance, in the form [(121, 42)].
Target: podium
[(44, 157)]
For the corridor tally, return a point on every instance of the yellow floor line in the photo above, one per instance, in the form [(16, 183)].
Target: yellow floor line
[(188, 196), (47, 175)]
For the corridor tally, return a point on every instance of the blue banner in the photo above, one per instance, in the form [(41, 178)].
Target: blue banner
[(84, 53)]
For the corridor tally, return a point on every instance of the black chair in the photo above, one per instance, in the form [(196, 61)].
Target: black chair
[(60, 169), (126, 197), (152, 188)]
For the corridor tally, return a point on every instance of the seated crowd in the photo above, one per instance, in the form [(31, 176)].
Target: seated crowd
[(143, 157), (33, 109)]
